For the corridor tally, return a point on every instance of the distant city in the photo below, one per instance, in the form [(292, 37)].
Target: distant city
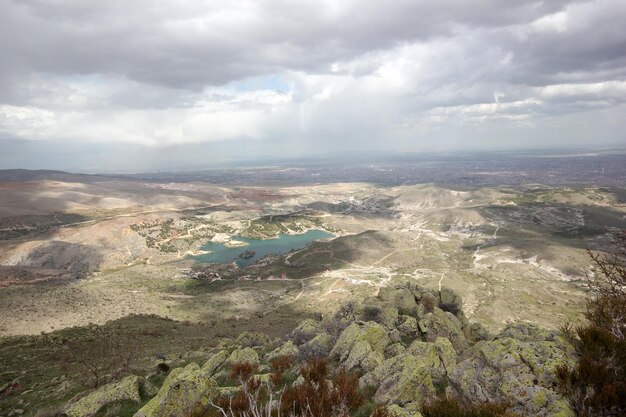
[(470, 170)]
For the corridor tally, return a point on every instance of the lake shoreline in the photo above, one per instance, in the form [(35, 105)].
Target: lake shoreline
[(225, 251)]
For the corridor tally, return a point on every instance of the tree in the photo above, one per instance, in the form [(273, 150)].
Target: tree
[(596, 385)]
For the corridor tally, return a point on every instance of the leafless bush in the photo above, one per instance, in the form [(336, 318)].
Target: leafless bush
[(453, 407), (315, 396), (104, 362)]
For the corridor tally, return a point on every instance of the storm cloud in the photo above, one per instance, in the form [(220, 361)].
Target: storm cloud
[(294, 77)]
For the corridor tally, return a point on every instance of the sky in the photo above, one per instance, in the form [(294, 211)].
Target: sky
[(118, 85)]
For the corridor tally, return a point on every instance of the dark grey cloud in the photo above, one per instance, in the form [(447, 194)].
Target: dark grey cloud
[(294, 75), (193, 44)]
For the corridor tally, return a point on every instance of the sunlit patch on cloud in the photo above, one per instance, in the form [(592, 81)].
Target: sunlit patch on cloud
[(611, 91)]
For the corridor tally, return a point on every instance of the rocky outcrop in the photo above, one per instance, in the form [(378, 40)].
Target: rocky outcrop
[(441, 323), (186, 391), (305, 331), (130, 388), (252, 339), (220, 363), (409, 344), (450, 301), (420, 371), (361, 345), (379, 311), (395, 410), (407, 326), (517, 367), (247, 355), (215, 362), (320, 345), (399, 297), (286, 349)]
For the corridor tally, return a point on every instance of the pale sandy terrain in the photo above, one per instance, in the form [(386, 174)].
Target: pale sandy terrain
[(512, 255)]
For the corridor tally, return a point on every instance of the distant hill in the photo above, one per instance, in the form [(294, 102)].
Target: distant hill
[(17, 175)]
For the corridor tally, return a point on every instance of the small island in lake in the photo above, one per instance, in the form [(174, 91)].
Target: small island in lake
[(247, 254)]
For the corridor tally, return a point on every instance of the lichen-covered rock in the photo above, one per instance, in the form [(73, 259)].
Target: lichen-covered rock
[(305, 331), (414, 374), (401, 298), (361, 345), (287, 349), (185, 391), (220, 364), (439, 356), (252, 339), (517, 371), (413, 409), (441, 323), (446, 353), (450, 301), (363, 356), (476, 332), (389, 317), (215, 362), (147, 390), (129, 388), (375, 309), (320, 345), (263, 378), (427, 352), (394, 336), (395, 410), (420, 292), (394, 349), (404, 378), (247, 355), (406, 325), (299, 381), (530, 333)]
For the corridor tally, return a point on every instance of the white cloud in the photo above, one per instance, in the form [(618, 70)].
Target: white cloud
[(324, 75), (606, 89)]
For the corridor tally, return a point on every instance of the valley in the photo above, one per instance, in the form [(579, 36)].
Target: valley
[(96, 251), (90, 261)]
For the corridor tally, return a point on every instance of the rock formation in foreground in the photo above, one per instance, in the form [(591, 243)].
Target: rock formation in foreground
[(407, 345)]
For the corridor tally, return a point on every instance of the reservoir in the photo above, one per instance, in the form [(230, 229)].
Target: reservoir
[(219, 253)]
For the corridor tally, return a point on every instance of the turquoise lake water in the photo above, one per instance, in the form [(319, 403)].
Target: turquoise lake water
[(283, 244)]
